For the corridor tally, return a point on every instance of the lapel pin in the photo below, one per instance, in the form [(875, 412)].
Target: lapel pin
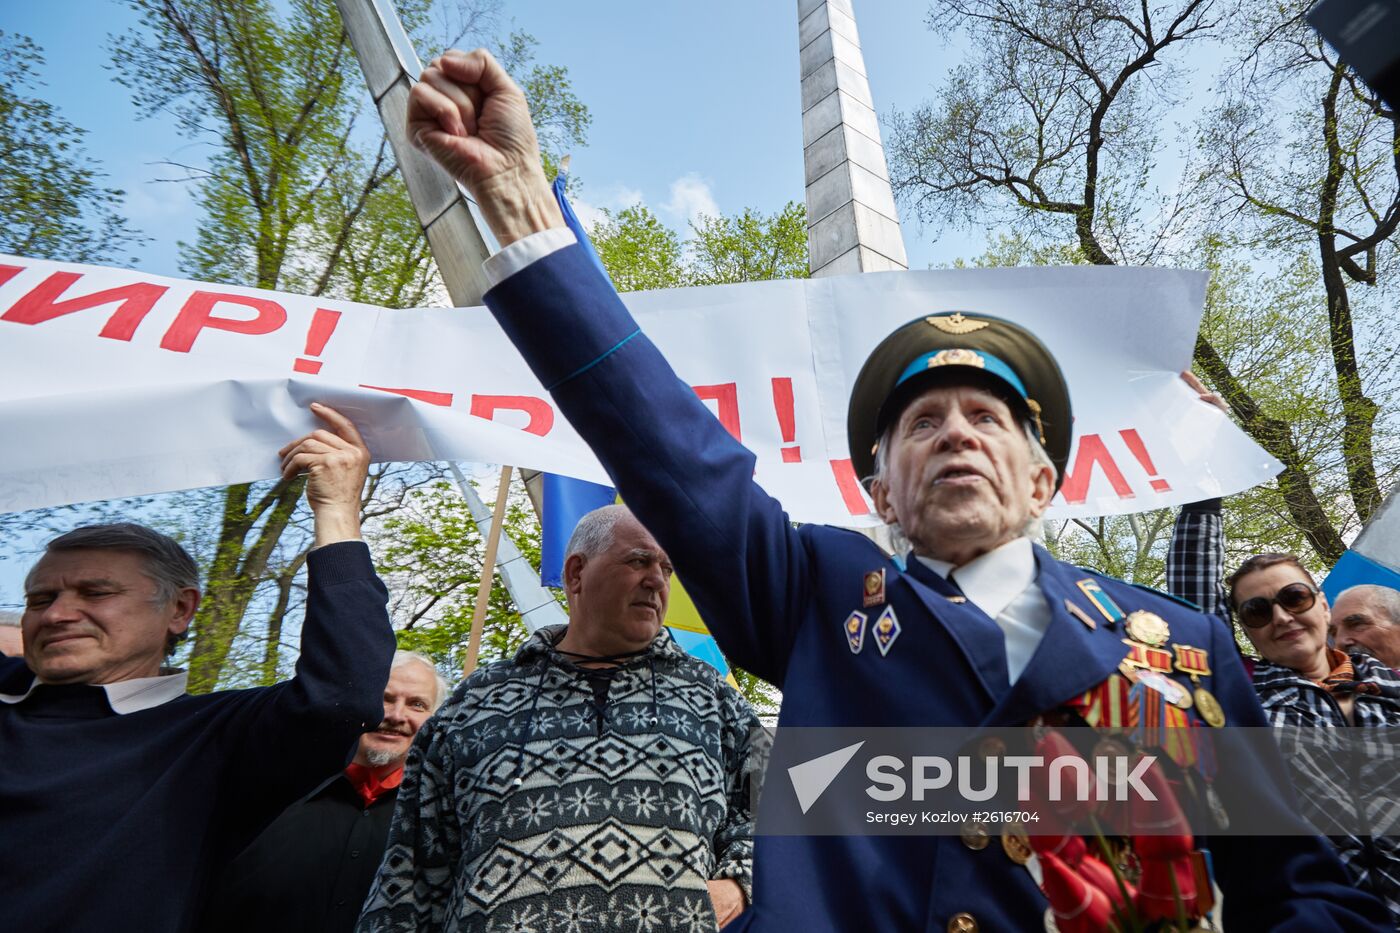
[(874, 588), (855, 631), (1101, 600), (886, 630), (1080, 614)]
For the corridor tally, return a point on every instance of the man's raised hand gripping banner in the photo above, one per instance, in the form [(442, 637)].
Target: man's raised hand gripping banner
[(114, 383)]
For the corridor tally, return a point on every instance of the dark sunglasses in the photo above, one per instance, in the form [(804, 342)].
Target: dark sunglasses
[(1294, 598)]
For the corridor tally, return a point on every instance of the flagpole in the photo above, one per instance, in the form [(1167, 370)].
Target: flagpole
[(488, 573)]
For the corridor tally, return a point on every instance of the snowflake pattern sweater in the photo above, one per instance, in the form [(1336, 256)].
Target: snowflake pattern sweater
[(527, 806)]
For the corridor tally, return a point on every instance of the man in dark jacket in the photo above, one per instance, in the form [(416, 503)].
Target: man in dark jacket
[(310, 870), (963, 422), (121, 796)]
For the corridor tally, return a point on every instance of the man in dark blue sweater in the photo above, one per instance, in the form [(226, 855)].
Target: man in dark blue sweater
[(120, 795)]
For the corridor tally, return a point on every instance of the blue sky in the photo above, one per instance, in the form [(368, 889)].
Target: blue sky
[(694, 106)]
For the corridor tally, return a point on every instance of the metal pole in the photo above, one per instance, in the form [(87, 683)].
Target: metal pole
[(537, 605), (446, 211)]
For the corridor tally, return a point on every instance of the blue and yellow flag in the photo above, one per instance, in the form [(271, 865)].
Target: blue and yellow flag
[(567, 500)]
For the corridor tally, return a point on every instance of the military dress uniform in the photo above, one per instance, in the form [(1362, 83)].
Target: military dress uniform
[(780, 602)]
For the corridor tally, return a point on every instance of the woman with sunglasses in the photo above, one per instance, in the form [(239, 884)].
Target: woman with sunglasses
[(1306, 685)]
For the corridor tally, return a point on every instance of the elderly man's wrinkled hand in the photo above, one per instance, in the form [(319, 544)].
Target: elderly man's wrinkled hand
[(469, 115), (728, 900), (336, 462)]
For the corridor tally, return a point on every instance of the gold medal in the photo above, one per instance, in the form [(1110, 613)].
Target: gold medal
[(1209, 708), (1016, 843), (1148, 628)]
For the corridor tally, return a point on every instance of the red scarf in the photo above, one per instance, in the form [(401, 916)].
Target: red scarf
[(369, 787)]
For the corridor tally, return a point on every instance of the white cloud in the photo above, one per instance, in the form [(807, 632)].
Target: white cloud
[(613, 198), (690, 199)]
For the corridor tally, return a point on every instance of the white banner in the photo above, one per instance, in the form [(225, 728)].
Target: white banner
[(114, 383)]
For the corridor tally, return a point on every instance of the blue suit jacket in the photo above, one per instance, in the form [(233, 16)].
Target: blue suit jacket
[(776, 599)]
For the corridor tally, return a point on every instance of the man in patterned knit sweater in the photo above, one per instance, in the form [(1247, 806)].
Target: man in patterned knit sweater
[(598, 780)]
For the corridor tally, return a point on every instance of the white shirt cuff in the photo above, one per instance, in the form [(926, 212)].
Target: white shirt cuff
[(526, 251)]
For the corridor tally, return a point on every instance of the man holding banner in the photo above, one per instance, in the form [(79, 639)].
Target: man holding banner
[(964, 423), (121, 796)]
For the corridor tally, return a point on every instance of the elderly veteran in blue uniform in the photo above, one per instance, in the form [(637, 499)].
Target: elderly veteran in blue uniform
[(965, 424)]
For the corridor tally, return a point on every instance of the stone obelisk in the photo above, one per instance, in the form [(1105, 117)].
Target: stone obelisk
[(852, 225)]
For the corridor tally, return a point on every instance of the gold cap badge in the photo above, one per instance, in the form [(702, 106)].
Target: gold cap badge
[(956, 357), (955, 323)]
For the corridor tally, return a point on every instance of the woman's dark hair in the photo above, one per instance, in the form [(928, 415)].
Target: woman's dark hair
[(1262, 562)]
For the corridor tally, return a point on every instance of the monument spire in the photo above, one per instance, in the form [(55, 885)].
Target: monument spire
[(852, 225)]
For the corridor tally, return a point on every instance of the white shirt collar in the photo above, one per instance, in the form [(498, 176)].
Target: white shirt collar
[(992, 580), (128, 696), (1002, 584)]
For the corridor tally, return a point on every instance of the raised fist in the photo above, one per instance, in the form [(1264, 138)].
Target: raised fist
[(469, 115)]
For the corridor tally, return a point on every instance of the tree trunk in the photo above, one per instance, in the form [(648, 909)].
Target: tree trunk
[(1276, 437), (234, 576), (1358, 410)]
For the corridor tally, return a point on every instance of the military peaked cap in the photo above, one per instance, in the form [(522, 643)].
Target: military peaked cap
[(946, 347)]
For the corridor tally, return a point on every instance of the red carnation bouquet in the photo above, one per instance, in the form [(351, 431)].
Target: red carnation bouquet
[(1152, 879)]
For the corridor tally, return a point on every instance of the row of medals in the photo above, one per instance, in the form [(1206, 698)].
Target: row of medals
[(1149, 630)]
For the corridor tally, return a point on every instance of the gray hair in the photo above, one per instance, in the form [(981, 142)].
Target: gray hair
[(169, 566), (1035, 524), (440, 684), (594, 532), (1384, 597)]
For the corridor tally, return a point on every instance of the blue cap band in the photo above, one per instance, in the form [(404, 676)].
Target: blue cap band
[(973, 359)]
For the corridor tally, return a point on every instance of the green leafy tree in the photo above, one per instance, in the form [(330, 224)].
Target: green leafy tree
[(52, 202), (1303, 151), (430, 555), (749, 247), (638, 250), (1058, 126), (301, 193)]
